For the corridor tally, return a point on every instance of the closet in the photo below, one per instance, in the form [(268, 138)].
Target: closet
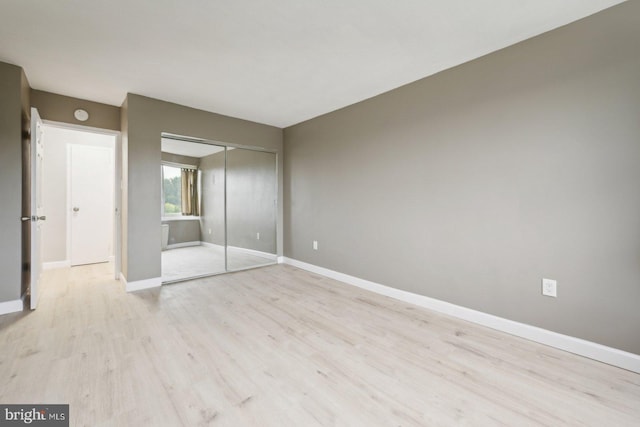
[(218, 208)]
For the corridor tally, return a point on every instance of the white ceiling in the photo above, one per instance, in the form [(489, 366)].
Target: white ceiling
[(187, 148), (277, 62)]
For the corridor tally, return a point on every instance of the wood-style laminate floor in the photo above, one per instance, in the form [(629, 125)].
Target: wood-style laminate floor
[(193, 261), (278, 346)]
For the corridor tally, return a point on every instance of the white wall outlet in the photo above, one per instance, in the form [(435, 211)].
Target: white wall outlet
[(209, 231), (550, 288), (315, 245), (257, 236)]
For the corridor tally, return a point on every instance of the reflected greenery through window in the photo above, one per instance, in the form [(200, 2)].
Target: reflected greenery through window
[(171, 188)]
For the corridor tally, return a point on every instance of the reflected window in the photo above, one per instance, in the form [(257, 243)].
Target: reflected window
[(171, 190)]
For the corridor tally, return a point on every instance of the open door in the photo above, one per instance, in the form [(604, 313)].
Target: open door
[(37, 215)]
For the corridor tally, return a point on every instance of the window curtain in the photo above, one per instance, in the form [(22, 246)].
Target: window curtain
[(190, 199)]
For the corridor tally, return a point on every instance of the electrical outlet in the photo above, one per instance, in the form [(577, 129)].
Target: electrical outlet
[(315, 245), (550, 288), (209, 231), (257, 236)]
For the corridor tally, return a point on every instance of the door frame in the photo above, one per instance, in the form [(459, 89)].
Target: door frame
[(117, 189)]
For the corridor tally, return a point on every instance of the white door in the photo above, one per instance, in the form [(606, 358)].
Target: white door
[(91, 197), (37, 215)]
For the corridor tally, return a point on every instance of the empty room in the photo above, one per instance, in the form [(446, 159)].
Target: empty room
[(320, 213)]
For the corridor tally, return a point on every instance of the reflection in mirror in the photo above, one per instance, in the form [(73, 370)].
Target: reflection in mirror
[(251, 208), (192, 209), (218, 209)]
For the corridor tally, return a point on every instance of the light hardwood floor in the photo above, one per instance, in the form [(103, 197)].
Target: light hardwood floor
[(278, 346), (193, 261)]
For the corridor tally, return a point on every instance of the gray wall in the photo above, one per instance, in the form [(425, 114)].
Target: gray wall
[(145, 120), (183, 230), (124, 195), (11, 109), (251, 195), (212, 204), (251, 191), (472, 185), (60, 108)]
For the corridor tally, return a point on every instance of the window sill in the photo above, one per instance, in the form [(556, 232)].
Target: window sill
[(180, 218)]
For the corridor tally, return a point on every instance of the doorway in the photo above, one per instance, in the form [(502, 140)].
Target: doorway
[(79, 196)]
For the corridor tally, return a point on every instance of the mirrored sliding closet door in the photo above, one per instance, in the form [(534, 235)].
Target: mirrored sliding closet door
[(251, 208), (219, 209), (193, 210)]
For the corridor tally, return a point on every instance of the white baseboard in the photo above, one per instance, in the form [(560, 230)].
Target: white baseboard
[(139, 285), (13, 306), (280, 260), (56, 264), (212, 245), (261, 254), (183, 244), (272, 257), (609, 355)]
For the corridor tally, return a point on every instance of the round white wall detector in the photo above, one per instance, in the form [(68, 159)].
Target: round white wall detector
[(81, 115)]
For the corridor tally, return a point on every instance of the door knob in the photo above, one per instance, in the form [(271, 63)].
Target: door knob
[(25, 218), (42, 218), (76, 209)]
